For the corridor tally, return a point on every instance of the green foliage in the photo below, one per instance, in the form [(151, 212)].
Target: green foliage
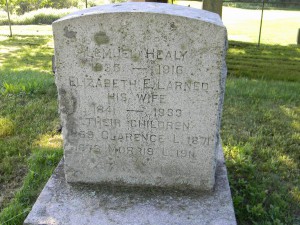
[(42, 19), (23, 6), (41, 16)]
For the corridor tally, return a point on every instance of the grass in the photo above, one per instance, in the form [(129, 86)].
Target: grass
[(31, 30), (268, 62), (261, 139), (28, 116), (267, 5), (260, 127), (40, 165), (279, 26)]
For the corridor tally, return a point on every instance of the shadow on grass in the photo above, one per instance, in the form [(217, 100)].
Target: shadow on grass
[(25, 64), (28, 102), (260, 128), (261, 138), (26, 52), (40, 167), (32, 115), (268, 62)]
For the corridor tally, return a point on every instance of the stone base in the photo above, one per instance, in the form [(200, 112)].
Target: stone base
[(74, 204)]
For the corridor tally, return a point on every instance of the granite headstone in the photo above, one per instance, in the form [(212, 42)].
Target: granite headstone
[(141, 89), (140, 94)]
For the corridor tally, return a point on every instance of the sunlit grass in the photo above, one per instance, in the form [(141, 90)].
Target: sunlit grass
[(25, 64), (34, 30), (260, 130), (28, 121), (49, 141), (6, 127), (269, 62), (279, 26), (26, 54), (295, 192), (262, 146)]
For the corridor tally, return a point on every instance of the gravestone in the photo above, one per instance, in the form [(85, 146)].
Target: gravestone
[(140, 95), (140, 89)]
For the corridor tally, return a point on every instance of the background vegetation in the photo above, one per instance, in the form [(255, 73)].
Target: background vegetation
[(22, 6), (40, 16), (260, 124)]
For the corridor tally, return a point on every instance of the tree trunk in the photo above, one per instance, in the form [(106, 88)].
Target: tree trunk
[(213, 6), (9, 22), (161, 1), (298, 41)]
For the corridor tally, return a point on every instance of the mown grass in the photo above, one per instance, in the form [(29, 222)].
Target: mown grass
[(267, 5), (30, 30), (261, 139), (268, 62), (28, 116), (260, 129), (279, 26)]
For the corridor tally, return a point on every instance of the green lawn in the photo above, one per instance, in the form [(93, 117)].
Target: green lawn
[(261, 139), (279, 26), (30, 147), (260, 127), (268, 62), (30, 30)]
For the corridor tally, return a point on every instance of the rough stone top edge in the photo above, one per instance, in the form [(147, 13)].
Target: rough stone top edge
[(148, 7)]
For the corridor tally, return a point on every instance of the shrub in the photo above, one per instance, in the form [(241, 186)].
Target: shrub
[(40, 16)]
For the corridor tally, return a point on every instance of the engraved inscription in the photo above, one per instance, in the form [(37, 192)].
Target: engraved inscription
[(145, 84), (142, 137), (160, 124), (99, 122), (118, 53), (146, 125), (159, 112), (148, 96)]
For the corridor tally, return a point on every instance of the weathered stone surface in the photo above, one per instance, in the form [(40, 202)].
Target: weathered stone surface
[(140, 92), (65, 204)]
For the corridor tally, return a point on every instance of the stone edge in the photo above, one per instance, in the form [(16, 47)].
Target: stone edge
[(148, 7), (57, 179)]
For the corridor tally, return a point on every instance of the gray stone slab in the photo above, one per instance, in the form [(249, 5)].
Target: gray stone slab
[(140, 89), (61, 203)]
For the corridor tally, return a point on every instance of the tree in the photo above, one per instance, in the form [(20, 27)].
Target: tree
[(213, 6), (7, 9), (22, 6)]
